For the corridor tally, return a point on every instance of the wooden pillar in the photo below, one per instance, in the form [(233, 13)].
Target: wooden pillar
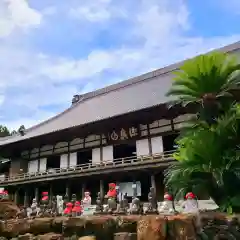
[(36, 195), (149, 140), (101, 188), (68, 190), (26, 202), (153, 181), (16, 197), (83, 189), (50, 193)]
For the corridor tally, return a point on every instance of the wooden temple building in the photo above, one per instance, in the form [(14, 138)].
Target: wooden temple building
[(123, 133)]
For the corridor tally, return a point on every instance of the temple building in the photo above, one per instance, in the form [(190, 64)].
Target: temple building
[(123, 133)]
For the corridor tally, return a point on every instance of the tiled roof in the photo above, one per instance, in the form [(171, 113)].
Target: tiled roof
[(128, 96)]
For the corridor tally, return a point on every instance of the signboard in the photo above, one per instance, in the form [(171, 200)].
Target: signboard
[(123, 134)]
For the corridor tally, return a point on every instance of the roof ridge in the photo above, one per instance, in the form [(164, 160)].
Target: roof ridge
[(134, 80)]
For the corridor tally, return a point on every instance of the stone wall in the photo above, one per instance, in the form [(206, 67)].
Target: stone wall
[(179, 227)]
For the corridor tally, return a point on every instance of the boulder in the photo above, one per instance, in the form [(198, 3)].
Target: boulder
[(182, 226), (8, 209), (152, 227), (127, 223), (103, 227), (27, 236), (50, 236), (125, 236), (221, 226), (87, 238), (73, 226), (40, 225), (14, 227), (57, 224)]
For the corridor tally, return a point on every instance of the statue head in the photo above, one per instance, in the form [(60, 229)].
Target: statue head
[(168, 197), (191, 197), (69, 205), (77, 203), (87, 194), (112, 186)]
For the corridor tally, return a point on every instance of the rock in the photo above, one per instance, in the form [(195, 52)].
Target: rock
[(14, 227), (181, 227), (8, 209), (50, 236), (220, 226), (27, 236), (57, 224), (87, 238), (74, 225), (103, 227), (152, 227), (40, 225), (125, 236), (127, 223)]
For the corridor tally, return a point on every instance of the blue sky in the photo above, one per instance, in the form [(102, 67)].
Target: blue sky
[(53, 49)]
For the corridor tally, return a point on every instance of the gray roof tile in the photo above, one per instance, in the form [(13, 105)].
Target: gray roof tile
[(131, 95)]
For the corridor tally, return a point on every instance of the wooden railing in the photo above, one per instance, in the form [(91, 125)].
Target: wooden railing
[(89, 167)]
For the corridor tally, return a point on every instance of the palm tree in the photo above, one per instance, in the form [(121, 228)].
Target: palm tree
[(209, 151), (209, 82), (209, 161)]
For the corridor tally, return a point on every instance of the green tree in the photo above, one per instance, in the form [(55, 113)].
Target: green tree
[(4, 132), (208, 82), (208, 156)]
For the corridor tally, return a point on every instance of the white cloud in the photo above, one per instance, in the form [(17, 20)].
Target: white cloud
[(32, 79), (92, 10), (17, 14)]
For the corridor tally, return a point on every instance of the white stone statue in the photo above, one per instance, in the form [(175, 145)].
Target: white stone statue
[(34, 209), (167, 205), (191, 204), (87, 200), (60, 203)]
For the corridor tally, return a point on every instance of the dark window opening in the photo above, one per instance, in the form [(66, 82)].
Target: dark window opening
[(169, 143), (84, 157), (53, 162), (5, 168), (124, 150)]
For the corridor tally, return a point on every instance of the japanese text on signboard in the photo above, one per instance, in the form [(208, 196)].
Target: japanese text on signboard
[(123, 134)]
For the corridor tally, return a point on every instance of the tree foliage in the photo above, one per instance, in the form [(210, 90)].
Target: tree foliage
[(208, 156)]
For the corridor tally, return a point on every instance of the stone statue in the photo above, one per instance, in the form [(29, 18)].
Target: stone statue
[(60, 204), (68, 210), (44, 202), (34, 210), (122, 209), (54, 206), (74, 198), (65, 201), (111, 199), (167, 206), (136, 207), (125, 202), (152, 202), (99, 206), (77, 210), (87, 200), (191, 203)]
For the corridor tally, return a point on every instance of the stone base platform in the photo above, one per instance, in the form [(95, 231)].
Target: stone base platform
[(208, 225)]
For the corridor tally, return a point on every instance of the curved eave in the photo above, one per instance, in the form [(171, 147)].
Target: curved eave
[(132, 95)]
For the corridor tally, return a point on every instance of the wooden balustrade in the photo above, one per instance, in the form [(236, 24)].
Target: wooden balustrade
[(89, 167)]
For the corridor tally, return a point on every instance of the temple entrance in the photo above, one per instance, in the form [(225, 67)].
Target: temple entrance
[(124, 150), (53, 162), (169, 142), (84, 157)]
